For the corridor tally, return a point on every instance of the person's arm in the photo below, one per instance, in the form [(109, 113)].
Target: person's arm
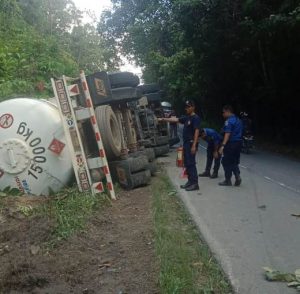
[(169, 119), (196, 125), (225, 140), (195, 141), (216, 147)]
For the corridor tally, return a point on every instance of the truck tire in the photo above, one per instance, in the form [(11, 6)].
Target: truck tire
[(140, 179), (161, 150), (148, 152), (133, 164), (162, 140), (125, 94), (123, 79), (129, 180), (152, 166), (109, 129), (149, 88)]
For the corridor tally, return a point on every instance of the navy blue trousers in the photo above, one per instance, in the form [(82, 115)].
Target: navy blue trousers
[(190, 163), (210, 158), (231, 159)]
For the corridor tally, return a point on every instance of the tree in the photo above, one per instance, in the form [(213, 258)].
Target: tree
[(241, 52), (41, 39), (89, 50), (51, 17)]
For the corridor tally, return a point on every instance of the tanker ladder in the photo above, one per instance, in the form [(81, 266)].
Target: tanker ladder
[(72, 116)]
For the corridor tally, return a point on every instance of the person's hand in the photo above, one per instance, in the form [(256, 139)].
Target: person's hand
[(221, 150), (160, 119), (193, 150), (216, 154)]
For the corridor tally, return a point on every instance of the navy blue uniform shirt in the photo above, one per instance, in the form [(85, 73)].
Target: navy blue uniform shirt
[(212, 137), (191, 123), (233, 125)]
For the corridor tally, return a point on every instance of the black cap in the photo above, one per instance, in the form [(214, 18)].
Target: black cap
[(189, 103)]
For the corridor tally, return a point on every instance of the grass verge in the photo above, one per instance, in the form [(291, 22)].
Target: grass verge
[(186, 263), (70, 211)]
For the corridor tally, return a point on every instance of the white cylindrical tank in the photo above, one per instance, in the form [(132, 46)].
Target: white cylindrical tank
[(33, 154)]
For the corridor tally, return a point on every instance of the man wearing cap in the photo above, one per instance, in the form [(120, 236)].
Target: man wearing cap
[(213, 139), (231, 146), (191, 122)]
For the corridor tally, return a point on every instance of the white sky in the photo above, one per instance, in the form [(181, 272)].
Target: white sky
[(97, 6)]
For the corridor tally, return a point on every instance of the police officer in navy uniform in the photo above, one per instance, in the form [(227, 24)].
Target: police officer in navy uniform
[(213, 139), (191, 122), (231, 146)]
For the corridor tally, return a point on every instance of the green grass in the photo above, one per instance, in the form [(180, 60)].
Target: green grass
[(186, 263), (70, 210)]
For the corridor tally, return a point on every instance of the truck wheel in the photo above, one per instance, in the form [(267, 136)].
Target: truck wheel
[(123, 79), (161, 150), (149, 88), (135, 164), (152, 166), (162, 140), (125, 93), (149, 152), (140, 179), (109, 129), (129, 180)]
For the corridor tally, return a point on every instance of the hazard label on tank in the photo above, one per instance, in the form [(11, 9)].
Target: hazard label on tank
[(56, 146), (6, 121)]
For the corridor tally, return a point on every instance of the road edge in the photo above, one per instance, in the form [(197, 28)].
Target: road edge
[(214, 245)]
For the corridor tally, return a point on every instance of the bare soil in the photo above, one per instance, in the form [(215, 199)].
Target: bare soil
[(114, 254)]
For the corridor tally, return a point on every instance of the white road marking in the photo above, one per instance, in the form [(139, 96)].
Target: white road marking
[(267, 178), (282, 185)]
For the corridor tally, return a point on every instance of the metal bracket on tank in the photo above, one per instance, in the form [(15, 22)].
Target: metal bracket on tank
[(85, 168)]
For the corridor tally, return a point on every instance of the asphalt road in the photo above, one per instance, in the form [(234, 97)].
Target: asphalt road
[(251, 226)]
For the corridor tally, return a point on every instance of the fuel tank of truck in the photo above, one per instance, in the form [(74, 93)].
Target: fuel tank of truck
[(34, 157)]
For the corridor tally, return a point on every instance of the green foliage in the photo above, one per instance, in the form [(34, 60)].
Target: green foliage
[(241, 52), (41, 39), (89, 50), (293, 280), (28, 59)]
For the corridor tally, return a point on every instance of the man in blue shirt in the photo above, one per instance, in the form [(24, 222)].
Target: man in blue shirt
[(231, 146), (213, 140), (190, 134)]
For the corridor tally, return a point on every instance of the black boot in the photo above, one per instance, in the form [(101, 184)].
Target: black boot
[(193, 187), (205, 174), (187, 184), (214, 175), (238, 181), (226, 183)]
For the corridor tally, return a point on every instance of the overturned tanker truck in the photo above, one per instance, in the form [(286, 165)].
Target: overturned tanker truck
[(34, 155)]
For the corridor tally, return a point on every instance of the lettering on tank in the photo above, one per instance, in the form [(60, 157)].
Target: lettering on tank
[(37, 149)]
